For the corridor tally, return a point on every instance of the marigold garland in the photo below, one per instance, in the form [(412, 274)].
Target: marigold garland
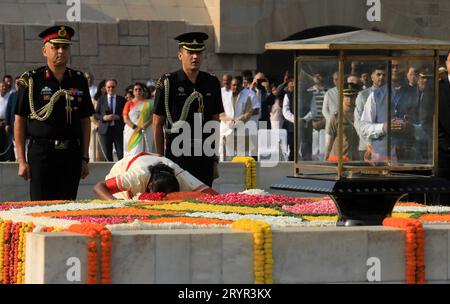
[(21, 254), (221, 209), (442, 218), (250, 172), (12, 251), (2, 242), (94, 230), (262, 248), (414, 248), (14, 261), (6, 263), (104, 212)]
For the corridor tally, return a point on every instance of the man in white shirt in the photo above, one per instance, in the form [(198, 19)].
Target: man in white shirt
[(238, 110), (288, 114), (92, 87), (373, 124), (247, 82), (331, 100), (226, 83), (365, 80), (377, 76), (8, 81), (258, 98), (330, 104), (3, 100)]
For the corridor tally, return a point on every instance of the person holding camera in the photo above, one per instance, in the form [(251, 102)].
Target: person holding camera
[(260, 86)]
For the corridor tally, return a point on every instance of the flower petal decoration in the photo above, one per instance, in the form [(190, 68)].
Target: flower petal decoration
[(199, 207)]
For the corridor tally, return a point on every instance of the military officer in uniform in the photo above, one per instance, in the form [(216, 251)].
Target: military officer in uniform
[(53, 111), (193, 97)]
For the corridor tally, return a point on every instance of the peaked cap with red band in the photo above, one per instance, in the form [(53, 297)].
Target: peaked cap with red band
[(58, 34)]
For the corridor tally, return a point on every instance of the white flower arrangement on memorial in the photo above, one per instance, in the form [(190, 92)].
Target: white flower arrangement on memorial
[(138, 225), (422, 209)]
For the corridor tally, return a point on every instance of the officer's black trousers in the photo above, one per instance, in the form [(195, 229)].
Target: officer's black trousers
[(55, 173), (201, 167)]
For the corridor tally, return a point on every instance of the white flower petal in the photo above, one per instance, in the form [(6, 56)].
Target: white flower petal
[(138, 225), (424, 209)]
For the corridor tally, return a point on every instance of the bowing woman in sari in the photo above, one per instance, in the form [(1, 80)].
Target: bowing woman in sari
[(137, 114)]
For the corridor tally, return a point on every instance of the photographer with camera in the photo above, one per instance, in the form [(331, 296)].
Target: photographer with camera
[(260, 86)]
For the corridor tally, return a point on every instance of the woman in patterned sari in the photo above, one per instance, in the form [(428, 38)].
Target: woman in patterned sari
[(137, 114)]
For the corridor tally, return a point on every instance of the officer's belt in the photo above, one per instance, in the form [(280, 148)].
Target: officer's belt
[(59, 144)]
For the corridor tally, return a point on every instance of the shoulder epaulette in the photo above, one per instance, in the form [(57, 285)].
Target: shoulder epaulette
[(160, 82), (79, 73), (73, 72), (23, 79)]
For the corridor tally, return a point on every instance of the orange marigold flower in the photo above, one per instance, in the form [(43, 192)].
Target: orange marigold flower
[(414, 247), (105, 212)]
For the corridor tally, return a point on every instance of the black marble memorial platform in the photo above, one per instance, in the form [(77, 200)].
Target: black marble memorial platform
[(364, 201)]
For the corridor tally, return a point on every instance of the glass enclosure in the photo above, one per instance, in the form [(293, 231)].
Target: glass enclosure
[(386, 124)]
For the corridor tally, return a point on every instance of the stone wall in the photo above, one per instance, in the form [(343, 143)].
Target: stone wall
[(14, 188), (133, 40), (245, 26), (211, 256), (232, 179), (128, 51), (46, 12)]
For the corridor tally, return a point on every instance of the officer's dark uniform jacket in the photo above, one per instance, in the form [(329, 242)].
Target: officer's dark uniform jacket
[(54, 151), (180, 88), (44, 86)]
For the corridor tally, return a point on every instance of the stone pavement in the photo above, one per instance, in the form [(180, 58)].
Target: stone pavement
[(301, 255)]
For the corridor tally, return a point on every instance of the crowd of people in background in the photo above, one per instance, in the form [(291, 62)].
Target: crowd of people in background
[(122, 123), (8, 100)]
